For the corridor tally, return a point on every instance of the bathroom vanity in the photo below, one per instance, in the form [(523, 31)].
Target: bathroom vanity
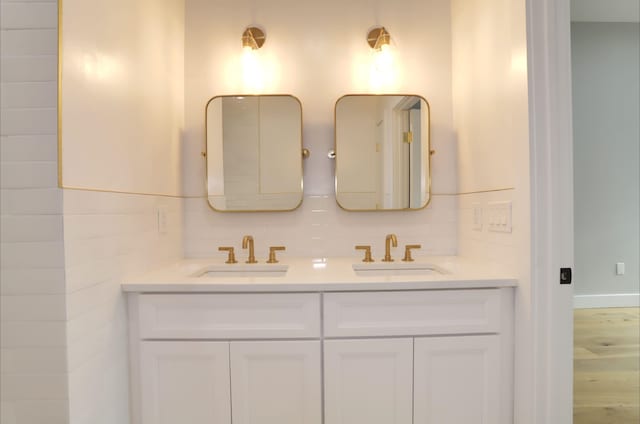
[(319, 343)]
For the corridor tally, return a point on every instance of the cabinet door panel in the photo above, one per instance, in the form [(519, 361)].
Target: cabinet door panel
[(457, 380), (368, 381), (276, 382), (185, 382)]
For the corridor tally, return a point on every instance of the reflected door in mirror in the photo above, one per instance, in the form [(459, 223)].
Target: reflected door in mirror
[(382, 152), (254, 146)]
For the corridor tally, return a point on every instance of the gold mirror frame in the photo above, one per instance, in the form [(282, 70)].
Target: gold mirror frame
[(205, 154), (428, 151)]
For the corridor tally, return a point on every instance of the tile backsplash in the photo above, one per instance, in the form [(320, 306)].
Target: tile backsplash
[(320, 228), (107, 237)]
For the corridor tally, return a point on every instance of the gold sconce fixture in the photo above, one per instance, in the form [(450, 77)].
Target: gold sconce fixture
[(253, 38), (378, 38), (252, 69), (382, 74)]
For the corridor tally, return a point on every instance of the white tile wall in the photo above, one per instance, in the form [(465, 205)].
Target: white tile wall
[(108, 236), (33, 356), (25, 14), (320, 228)]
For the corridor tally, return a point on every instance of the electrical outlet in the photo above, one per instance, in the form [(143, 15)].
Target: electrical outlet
[(499, 216), (477, 216), (162, 219)]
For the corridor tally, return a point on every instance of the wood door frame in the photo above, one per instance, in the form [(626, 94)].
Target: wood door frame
[(545, 391)]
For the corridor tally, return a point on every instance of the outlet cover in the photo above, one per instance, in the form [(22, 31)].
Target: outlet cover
[(499, 216), (477, 216), (162, 219)]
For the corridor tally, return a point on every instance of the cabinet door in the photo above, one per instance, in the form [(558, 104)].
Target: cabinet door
[(276, 382), (368, 381), (457, 380), (185, 382)]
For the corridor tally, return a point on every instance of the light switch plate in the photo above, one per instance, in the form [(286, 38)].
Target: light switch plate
[(477, 216), (620, 268), (499, 216)]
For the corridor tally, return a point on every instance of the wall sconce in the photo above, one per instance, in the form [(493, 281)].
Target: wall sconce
[(382, 72), (252, 40), (378, 37)]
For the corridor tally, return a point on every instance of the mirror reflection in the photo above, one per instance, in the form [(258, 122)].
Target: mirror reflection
[(382, 152), (254, 153)]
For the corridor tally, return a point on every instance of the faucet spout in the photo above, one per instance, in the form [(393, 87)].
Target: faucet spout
[(390, 240), (247, 242)]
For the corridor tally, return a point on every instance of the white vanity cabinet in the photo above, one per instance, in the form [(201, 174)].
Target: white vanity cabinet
[(429, 357), (370, 357), (457, 380), (223, 358), (184, 382), (368, 381), (276, 382)]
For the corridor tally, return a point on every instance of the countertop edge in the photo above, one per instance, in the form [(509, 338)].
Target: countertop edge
[(261, 287)]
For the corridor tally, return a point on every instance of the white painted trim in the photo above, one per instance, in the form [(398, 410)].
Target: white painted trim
[(544, 390), (625, 300)]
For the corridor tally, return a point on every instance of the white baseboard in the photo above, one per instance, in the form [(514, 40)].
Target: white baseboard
[(629, 300)]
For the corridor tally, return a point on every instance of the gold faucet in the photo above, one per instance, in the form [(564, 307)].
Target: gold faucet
[(367, 253), (407, 251), (272, 254), (247, 241), (391, 240), (231, 259)]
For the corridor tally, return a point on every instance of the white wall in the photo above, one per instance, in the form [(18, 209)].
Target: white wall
[(491, 118), (317, 51), (33, 366), (123, 73), (606, 98), (605, 11)]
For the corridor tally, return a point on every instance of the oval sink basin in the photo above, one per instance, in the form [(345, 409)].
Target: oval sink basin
[(243, 271), (396, 269)]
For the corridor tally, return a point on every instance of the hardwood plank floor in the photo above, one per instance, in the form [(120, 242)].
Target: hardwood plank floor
[(606, 366)]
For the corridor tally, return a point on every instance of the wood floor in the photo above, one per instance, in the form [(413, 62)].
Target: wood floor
[(607, 366)]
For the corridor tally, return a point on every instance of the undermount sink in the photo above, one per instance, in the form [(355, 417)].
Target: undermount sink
[(396, 269), (243, 271)]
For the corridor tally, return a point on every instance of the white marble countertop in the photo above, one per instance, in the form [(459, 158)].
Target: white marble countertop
[(321, 275)]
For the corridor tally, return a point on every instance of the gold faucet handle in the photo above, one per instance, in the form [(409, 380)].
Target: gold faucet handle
[(231, 259), (367, 253), (407, 251), (272, 254)]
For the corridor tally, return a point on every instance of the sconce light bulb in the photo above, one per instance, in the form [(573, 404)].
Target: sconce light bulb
[(251, 69), (383, 58), (382, 71)]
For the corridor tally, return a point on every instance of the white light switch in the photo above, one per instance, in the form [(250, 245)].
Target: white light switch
[(162, 219), (620, 268), (499, 216)]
